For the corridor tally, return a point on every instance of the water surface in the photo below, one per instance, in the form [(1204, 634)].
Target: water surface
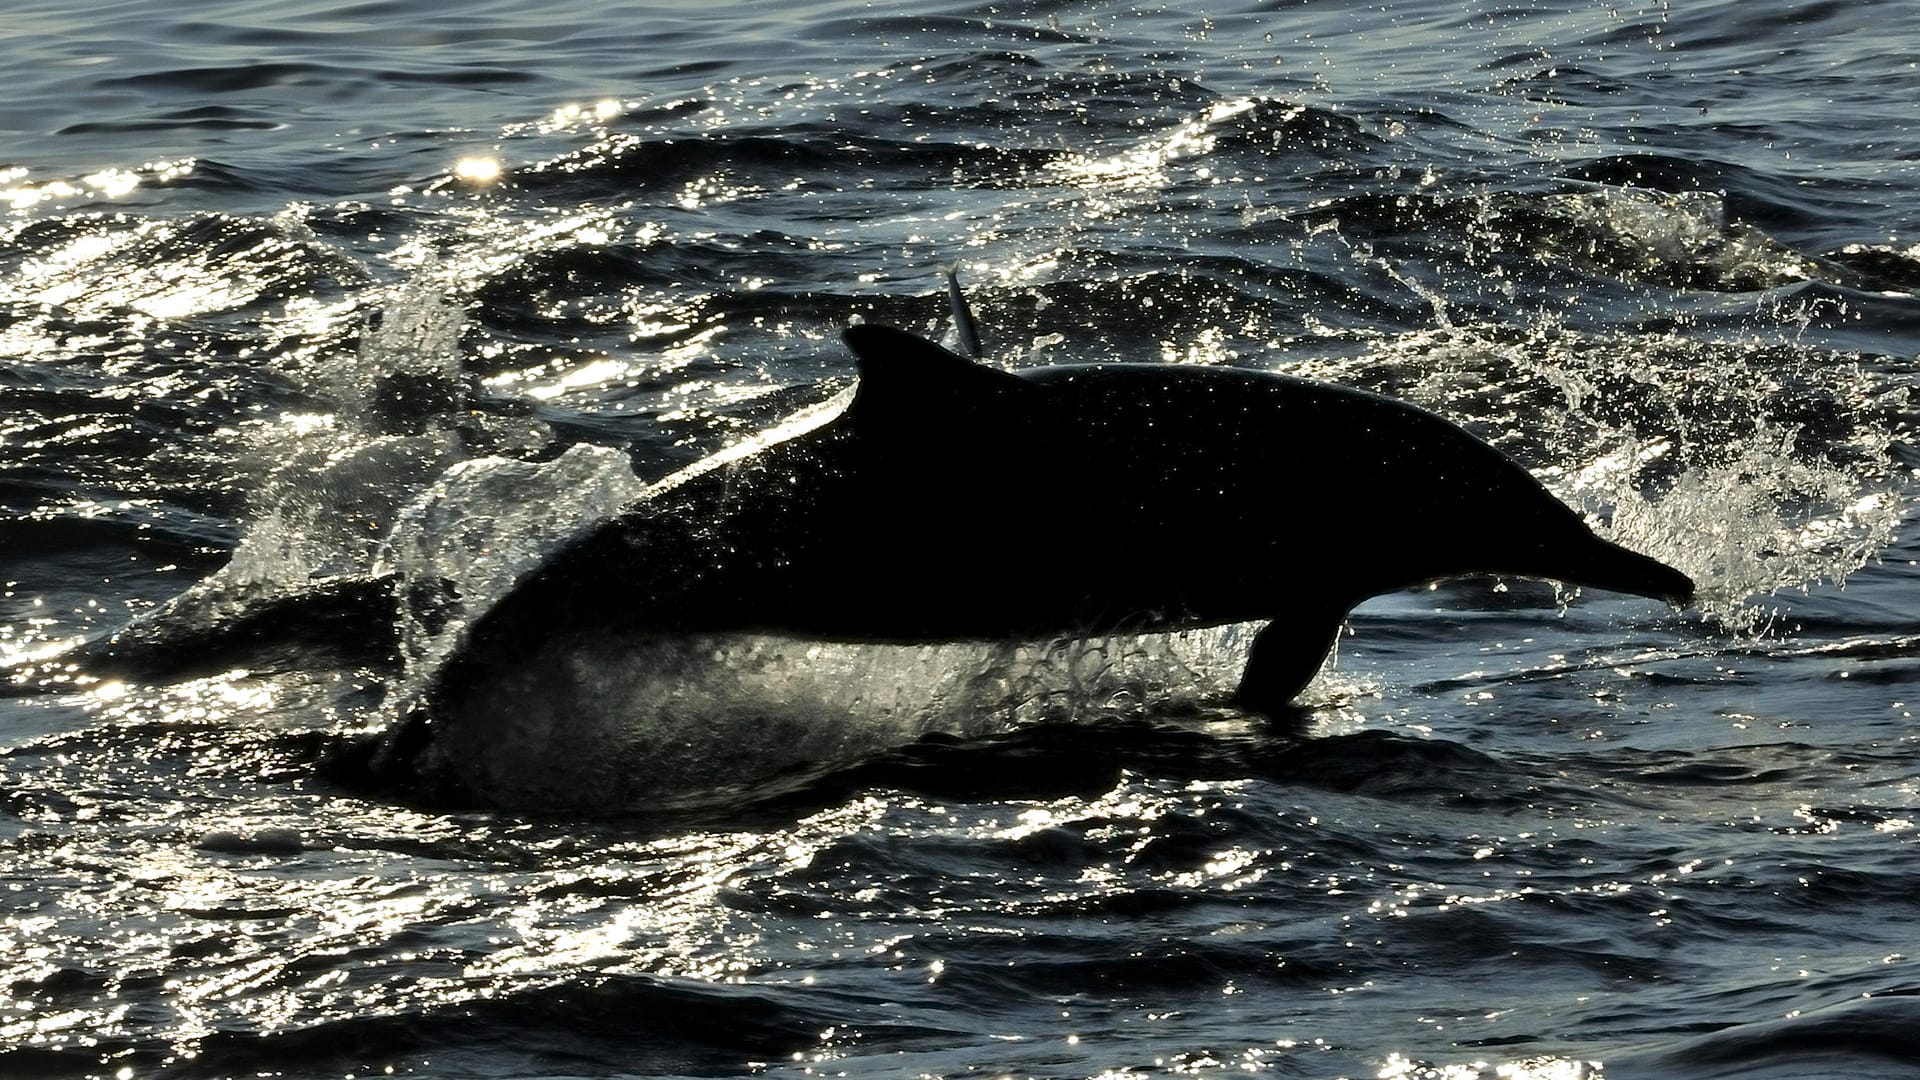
[(293, 292)]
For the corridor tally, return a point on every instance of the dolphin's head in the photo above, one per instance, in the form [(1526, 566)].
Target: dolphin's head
[(1447, 504), (1507, 522)]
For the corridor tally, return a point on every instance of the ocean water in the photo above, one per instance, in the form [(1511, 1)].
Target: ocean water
[(294, 294)]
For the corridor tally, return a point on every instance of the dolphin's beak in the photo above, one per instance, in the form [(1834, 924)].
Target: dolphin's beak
[(1607, 565)]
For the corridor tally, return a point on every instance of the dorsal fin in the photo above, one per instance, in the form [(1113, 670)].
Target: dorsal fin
[(964, 327), (902, 371)]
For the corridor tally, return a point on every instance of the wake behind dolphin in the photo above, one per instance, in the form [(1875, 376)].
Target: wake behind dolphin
[(950, 501)]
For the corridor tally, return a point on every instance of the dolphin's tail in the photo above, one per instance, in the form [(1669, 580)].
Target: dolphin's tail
[(1606, 565)]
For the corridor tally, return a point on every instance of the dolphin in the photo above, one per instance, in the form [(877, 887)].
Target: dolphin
[(954, 501)]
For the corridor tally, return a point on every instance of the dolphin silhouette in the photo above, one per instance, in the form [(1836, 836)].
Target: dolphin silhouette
[(954, 501)]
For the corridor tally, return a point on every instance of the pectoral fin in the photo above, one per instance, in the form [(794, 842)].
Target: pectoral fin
[(1285, 656)]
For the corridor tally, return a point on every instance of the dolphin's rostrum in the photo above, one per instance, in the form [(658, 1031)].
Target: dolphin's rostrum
[(954, 501)]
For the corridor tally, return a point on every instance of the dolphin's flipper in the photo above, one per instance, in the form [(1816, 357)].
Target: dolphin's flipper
[(1285, 656), (964, 326)]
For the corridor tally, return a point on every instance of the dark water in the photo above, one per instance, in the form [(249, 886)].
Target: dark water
[(295, 292)]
